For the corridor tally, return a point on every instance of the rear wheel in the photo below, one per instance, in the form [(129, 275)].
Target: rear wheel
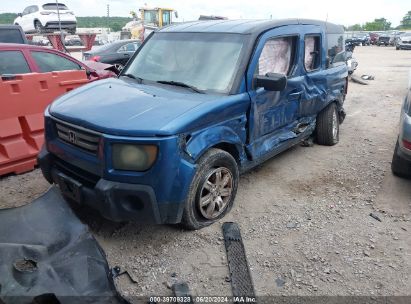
[(212, 191), (328, 126), (399, 166)]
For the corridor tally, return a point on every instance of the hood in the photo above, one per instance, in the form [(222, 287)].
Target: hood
[(122, 107)]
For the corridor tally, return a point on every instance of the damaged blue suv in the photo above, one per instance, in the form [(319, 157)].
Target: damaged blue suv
[(198, 104)]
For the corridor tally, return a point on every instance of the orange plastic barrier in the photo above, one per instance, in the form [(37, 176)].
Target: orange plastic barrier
[(23, 99)]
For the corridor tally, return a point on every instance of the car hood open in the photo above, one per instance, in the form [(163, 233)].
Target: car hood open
[(123, 107)]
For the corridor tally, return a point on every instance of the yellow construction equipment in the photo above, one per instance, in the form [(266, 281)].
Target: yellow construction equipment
[(150, 20), (156, 17)]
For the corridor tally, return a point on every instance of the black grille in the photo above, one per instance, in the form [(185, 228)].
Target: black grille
[(85, 178), (83, 139)]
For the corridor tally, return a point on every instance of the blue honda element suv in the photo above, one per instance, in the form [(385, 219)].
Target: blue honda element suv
[(198, 104)]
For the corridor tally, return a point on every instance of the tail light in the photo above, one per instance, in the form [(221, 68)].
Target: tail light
[(45, 13), (406, 144), (95, 58)]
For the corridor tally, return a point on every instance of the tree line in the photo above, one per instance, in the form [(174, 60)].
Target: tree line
[(114, 23), (382, 24)]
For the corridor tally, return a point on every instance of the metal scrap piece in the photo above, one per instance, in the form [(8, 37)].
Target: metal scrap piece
[(241, 281)]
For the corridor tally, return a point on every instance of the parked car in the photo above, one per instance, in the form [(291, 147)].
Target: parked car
[(403, 42), (401, 160), (116, 53), (196, 105), (44, 18), (358, 40), (373, 38), (383, 39), (24, 58), (12, 34)]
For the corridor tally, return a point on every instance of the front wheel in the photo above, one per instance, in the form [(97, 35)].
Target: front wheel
[(38, 27), (328, 126), (212, 191)]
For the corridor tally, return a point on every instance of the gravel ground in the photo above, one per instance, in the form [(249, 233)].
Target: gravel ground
[(304, 215)]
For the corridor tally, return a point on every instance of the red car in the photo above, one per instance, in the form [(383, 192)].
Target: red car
[(24, 58)]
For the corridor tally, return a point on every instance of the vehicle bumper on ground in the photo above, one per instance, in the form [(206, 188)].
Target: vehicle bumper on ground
[(114, 200)]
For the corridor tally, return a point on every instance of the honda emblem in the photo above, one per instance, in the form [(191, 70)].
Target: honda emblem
[(72, 136)]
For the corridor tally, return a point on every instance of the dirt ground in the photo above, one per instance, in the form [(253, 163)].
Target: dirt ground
[(304, 215)]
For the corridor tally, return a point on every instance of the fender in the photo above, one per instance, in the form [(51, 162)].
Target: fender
[(207, 138)]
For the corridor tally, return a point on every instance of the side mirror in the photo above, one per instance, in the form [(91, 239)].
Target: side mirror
[(271, 82), (19, 15)]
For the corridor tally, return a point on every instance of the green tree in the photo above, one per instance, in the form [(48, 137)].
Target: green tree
[(380, 24), (355, 27), (406, 21), (7, 18), (115, 27)]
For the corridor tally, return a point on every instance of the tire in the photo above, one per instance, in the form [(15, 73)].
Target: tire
[(213, 161), (399, 166), (328, 126), (38, 27)]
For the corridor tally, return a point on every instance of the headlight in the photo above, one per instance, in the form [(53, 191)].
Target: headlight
[(134, 157)]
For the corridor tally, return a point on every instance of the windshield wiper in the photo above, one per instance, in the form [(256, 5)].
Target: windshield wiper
[(181, 84), (140, 80)]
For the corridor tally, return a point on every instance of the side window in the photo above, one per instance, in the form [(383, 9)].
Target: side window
[(32, 9), (312, 52), (129, 47), (48, 62), (277, 56), (13, 62)]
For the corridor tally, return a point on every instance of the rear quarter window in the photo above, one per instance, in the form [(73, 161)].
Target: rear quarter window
[(13, 62), (335, 49)]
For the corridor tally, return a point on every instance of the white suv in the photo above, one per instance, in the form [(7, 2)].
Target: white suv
[(44, 18)]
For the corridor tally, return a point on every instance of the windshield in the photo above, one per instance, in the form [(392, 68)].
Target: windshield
[(206, 61)]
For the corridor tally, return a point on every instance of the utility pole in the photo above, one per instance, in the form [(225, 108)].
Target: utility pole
[(108, 17), (58, 16)]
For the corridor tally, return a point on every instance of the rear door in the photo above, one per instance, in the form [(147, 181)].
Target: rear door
[(274, 115)]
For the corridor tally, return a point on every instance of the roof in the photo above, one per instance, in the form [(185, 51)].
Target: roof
[(244, 26), (23, 46)]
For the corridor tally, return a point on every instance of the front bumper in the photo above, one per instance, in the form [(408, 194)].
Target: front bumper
[(116, 201), (404, 46)]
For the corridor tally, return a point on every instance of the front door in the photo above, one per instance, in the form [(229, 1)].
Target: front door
[(273, 115)]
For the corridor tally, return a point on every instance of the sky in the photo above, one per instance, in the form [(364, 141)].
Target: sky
[(346, 12)]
